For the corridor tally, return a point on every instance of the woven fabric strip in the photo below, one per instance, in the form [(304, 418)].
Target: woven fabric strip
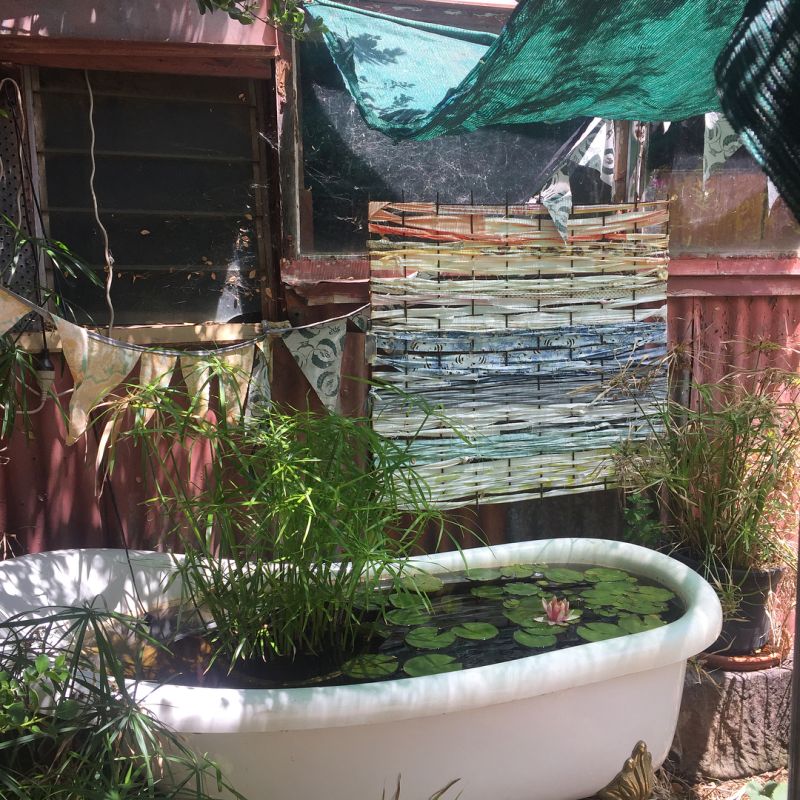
[(554, 61), (758, 74), (525, 348)]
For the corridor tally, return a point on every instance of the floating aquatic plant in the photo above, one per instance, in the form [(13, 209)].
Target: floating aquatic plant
[(430, 664)]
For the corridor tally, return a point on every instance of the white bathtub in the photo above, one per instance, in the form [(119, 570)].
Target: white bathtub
[(554, 726)]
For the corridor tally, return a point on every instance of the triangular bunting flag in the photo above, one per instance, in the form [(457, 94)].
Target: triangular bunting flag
[(361, 319), (720, 142), (234, 381), (97, 367), (318, 353), (772, 194), (557, 199), (259, 394), (197, 376), (597, 152), (155, 368), (12, 310)]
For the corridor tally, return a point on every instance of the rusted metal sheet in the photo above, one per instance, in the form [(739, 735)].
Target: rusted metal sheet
[(722, 309)]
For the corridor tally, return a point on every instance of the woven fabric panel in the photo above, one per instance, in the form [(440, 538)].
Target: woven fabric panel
[(758, 74), (540, 353), (639, 59)]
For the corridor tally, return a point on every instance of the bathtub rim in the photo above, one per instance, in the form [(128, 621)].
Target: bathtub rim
[(208, 710)]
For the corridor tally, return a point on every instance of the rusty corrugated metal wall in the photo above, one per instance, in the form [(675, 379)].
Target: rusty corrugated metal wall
[(735, 278)]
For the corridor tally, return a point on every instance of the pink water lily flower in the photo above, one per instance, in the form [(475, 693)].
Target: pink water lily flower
[(556, 611)]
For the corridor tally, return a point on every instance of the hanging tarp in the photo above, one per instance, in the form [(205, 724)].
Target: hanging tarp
[(555, 60), (759, 83)]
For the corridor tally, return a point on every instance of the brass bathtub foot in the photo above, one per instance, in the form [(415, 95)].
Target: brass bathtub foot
[(636, 780)]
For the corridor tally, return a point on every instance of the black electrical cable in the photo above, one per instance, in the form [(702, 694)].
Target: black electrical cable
[(24, 161)]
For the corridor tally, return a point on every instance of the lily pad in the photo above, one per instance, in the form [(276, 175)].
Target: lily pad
[(534, 602), (613, 587), (430, 664), (407, 616), (370, 666), (542, 628), (487, 592), (429, 638), (604, 574), (522, 589), (479, 631), (406, 600), (520, 616), (534, 639), (655, 593), (517, 571), (598, 631), (644, 606), (421, 582), (635, 624), (563, 575), (484, 574)]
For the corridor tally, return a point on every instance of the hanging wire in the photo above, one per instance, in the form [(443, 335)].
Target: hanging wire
[(109, 261)]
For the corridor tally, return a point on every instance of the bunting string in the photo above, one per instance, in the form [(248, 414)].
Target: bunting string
[(99, 364)]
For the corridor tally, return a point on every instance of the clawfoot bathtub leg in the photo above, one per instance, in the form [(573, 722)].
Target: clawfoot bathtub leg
[(635, 781)]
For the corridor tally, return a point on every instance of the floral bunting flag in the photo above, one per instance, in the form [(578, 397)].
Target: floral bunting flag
[(155, 368), (597, 152), (318, 352), (557, 199), (12, 310), (594, 150), (97, 366), (772, 194), (234, 381), (361, 320), (197, 376), (720, 142), (259, 394)]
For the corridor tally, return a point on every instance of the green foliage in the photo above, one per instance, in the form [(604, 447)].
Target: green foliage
[(723, 470), (299, 520), (641, 525), (17, 379), (772, 790), (62, 258), (285, 14), (69, 727)]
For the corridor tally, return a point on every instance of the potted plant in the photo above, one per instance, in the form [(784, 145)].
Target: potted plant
[(722, 468)]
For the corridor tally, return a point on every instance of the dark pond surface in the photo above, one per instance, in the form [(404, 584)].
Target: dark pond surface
[(451, 622)]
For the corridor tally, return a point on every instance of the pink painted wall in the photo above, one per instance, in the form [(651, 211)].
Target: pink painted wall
[(172, 21)]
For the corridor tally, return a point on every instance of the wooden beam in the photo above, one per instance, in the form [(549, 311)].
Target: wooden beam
[(179, 58)]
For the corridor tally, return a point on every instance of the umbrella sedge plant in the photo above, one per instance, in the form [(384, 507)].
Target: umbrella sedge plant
[(297, 522), (70, 726)]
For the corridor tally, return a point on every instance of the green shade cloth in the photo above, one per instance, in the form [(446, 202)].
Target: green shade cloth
[(555, 60), (759, 82)]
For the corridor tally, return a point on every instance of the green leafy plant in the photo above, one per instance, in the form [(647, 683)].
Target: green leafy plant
[(70, 727), (723, 469), (63, 259), (285, 14), (18, 385), (772, 790), (641, 524), (300, 518)]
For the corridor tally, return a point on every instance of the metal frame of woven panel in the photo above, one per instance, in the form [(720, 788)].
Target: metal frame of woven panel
[(529, 358)]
